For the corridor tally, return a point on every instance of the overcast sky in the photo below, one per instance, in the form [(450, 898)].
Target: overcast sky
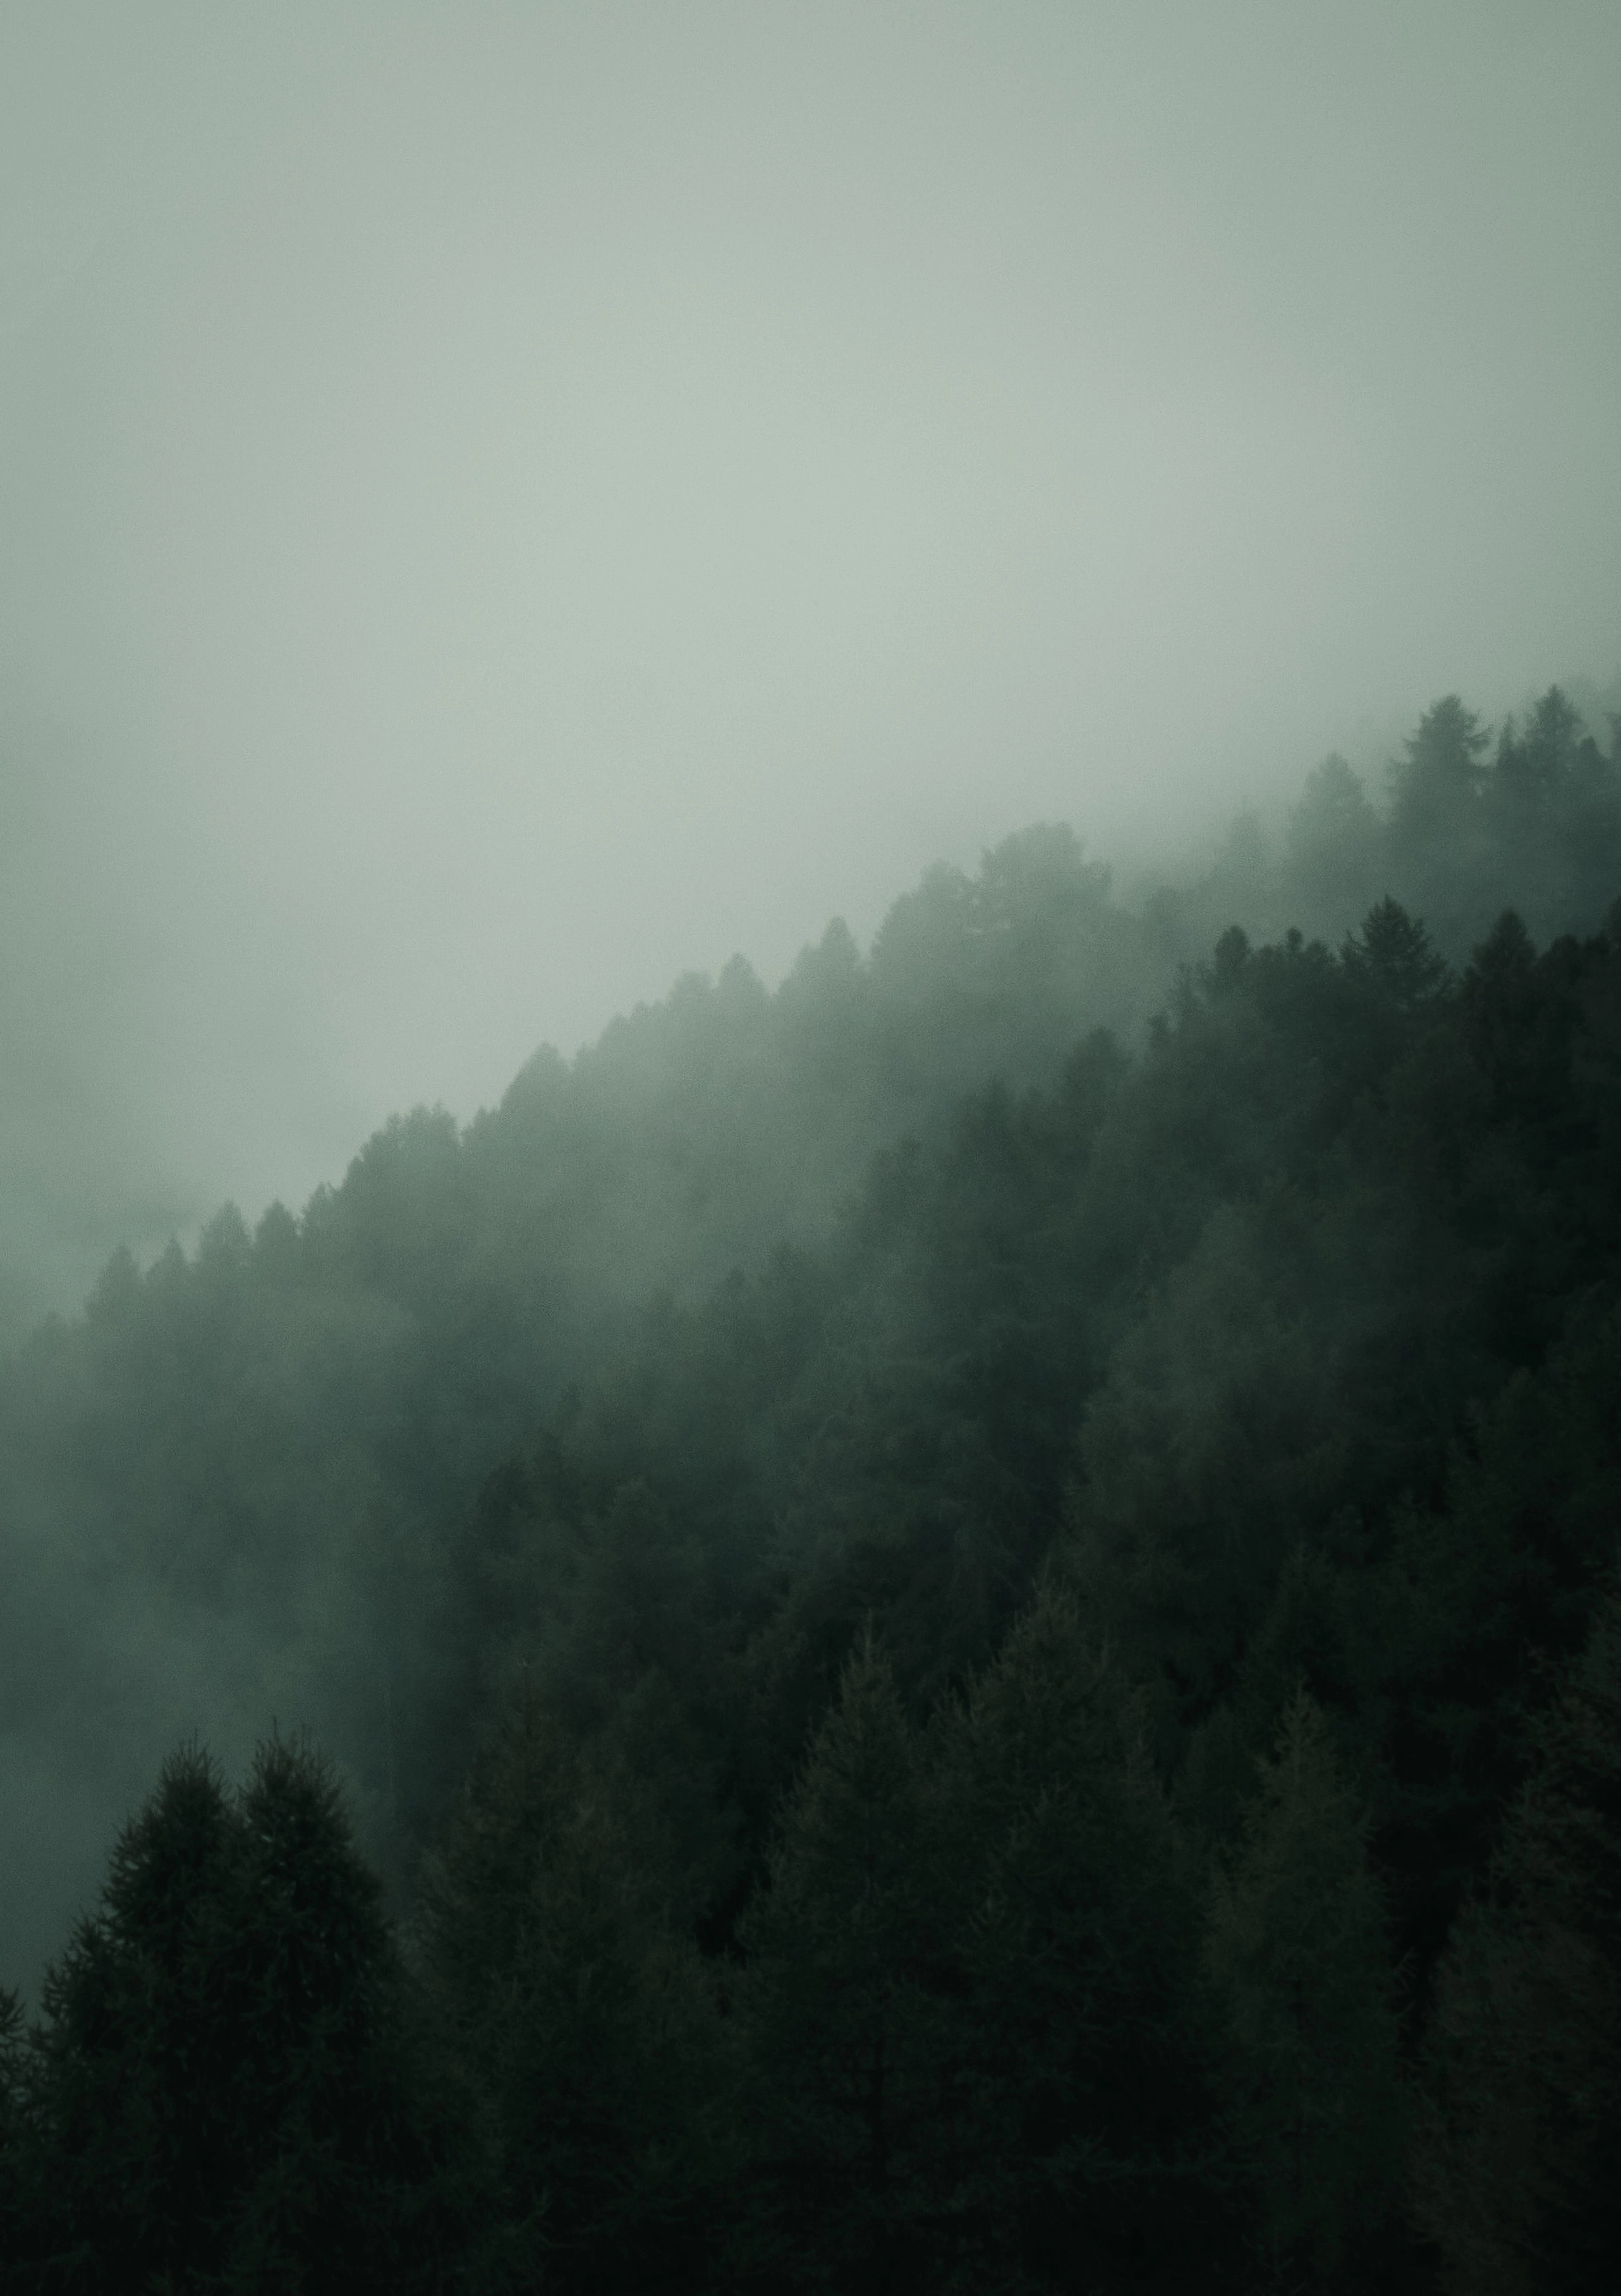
[(501, 506)]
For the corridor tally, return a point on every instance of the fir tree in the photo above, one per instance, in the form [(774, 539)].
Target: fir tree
[(16, 2231), (841, 2034), (145, 2158), (220, 2102), (1393, 956), (1297, 1953), (1436, 787), (575, 2024), (1518, 2164), (1083, 2063), (304, 1987)]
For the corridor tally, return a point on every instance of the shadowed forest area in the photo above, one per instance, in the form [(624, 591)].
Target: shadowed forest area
[(952, 1630)]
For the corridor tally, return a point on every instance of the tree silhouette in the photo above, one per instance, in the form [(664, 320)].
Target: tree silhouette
[(1437, 784), (1393, 956), (1297, 1951), (1086, 2138), (219, 2097), (840, 2029), (577, 2028), (1519, 2169)]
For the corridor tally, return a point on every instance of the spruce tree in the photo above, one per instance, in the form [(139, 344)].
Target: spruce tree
[(304, 1986), (1086, 2133), (1435, 789), (1392, 957), (841, 2033), (220, 2099), (16, 2211), (1517, 2167), (137, 2121), (1299, 1956), (576, 2025)]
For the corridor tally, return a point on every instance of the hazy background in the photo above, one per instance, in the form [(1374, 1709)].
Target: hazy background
[(501, 506)]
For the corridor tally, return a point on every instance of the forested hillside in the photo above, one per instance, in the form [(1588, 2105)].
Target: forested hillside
[(966, 1615)]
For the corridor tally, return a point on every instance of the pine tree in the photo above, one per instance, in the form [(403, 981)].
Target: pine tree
[(142, 2162), (1436, 788), (1333, 845), (1533, 769), (578, 2027), (304, 1983), (16, 2209), (220, 2101), (1082, 2064), (841, 2033), (1393, 956), (1518, 2168), (1298, 1957)]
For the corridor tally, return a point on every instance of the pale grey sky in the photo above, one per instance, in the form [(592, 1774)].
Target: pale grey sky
[(502, 504)]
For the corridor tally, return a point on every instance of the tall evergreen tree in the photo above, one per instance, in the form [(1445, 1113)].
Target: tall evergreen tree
[(16, 2211), (1297, 1951), (575, 2025), (1086, 2132), (220, 2099), (1333, 847), (1435, 786), (841, 2031), (1518, 2163), (305, 1987), (145, 2164), (1394, 957)]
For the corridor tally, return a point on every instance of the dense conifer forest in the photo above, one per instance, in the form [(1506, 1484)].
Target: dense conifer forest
[(952, 1630)]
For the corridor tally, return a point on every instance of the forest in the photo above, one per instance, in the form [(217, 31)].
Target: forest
[(954, 1628)]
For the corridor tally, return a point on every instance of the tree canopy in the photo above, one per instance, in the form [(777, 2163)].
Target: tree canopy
[(961, 1613)]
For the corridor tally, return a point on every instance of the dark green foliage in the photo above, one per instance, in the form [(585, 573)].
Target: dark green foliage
[(1456, 1632), (979, 2052), (18, 2203), (843, 2034), (218, 2097), (289, 1424), (830, 1532), (1392, 958), (1084, 2094), (577, 2028), (1519, 2170), (1298, 1954)]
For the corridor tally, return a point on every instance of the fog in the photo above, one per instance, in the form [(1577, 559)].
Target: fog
[(499, 507), (809, 1072)]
